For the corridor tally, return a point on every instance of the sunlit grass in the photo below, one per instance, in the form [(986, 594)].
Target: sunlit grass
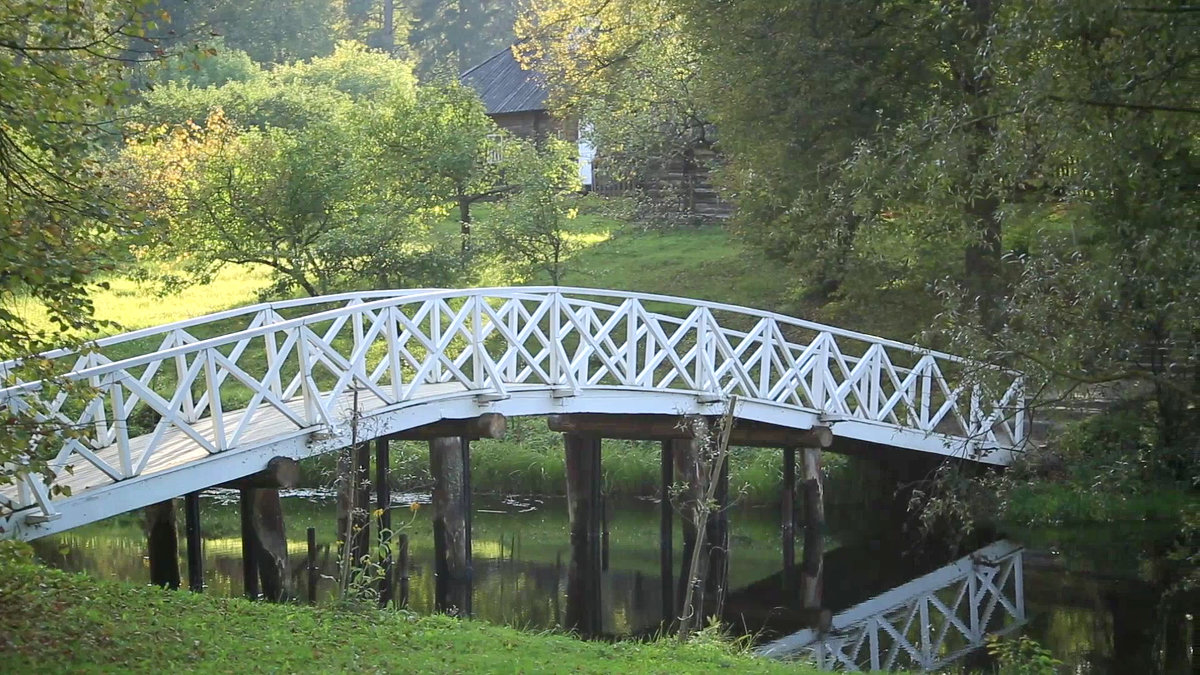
[(131, 304)]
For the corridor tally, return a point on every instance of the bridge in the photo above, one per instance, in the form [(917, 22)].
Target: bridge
[(177, 408)]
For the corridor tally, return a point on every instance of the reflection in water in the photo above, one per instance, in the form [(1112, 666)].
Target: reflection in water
[(926, 623), (1096, 599)]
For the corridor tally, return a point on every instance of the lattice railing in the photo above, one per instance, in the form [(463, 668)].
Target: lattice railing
[(215, 377), (924, 624)]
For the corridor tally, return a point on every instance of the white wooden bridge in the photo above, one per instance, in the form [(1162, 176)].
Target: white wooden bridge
[(197, 403)]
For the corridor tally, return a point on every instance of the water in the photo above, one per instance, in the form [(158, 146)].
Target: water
[(1100, 599)]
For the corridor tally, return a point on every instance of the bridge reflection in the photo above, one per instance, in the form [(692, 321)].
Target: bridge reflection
[(925, 623)]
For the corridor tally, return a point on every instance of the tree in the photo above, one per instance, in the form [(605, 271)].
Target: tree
[(61, 73), (294, 200), (442, 143), (532, 226), (450, 36)]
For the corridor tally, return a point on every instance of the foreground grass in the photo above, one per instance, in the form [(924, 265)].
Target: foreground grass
[(51, 621)]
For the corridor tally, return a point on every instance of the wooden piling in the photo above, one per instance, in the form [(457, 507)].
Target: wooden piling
[(270, 540), (402, 569), (449, 523), (584, 477), (360, 548), (162, 541), (689, 470), (716, 542), (249, 550), (468, 510), (195, 543), (814, 528), (787, 516), (383, 505), (665, 536), (311, 565)]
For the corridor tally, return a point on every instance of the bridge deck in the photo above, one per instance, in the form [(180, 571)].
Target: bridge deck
[(382, 363)]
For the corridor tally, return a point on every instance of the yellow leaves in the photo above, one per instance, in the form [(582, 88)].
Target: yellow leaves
[(414, 507)]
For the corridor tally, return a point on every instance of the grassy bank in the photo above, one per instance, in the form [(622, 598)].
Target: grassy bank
[(51, 621), (1104, 469)]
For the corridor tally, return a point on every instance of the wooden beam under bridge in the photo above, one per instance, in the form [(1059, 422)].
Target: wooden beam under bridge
[(487, 425), (668, 427)]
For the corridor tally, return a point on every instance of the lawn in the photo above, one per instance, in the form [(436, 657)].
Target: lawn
[(51, 621)]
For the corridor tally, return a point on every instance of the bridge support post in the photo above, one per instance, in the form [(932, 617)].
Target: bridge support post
[(787, 516), (195, 543), (264, 545), (383, 504), (249, 550), (814, 528), (716, 543), (360, 546), (584, 477), (162, 539), (689, 468), (666, 541), (452, 587), (270, 542)]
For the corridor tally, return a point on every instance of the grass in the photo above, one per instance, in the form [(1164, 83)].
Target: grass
[(1070, 502), (51, 621)]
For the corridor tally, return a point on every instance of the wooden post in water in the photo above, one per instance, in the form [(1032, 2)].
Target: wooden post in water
[(716, 543), (360, 547), (195, 543), (582, 455), (449, 523), (814, 528), (402, 571), (665, 536), (469, 580), (311, 566), (383, 504), (270, 540), (249, 550), (787, 518), (689, 470), (162, 540)]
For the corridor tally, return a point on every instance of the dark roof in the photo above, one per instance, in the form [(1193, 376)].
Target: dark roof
[(504, 86)]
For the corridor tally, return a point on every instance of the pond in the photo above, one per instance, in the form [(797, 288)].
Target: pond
[(1099, 598)]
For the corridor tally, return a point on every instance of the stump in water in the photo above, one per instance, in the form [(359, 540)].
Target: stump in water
[(162, 540), (451, 558)]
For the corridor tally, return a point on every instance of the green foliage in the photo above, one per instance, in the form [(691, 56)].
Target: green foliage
[(450, 36), (207, 64), (1022, 656), (533, 226), (270, 31), (61, 75)]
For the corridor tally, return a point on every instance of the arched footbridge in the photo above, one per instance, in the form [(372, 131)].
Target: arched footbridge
[(169, 410)]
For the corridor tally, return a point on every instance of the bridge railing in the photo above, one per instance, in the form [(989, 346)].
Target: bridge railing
[(384, 349)]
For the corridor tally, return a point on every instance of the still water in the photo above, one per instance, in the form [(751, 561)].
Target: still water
[(1103, 599)]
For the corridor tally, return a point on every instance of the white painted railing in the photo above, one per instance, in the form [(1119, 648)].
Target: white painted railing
[(299, 359), (926, 624)]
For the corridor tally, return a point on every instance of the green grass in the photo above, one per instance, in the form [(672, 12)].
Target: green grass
[(51, 621), (1070, 502)]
